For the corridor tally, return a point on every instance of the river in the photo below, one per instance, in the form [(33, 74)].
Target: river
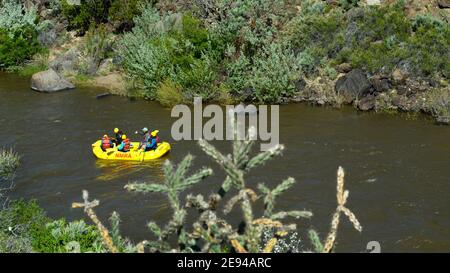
[(397, 167)]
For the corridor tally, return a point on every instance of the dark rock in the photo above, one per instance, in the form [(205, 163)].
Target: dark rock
[(49, 81), (381, 84), (117, 59), (344, 68), (367, 103), (300, 84), (443, 4), (353, 85), (103, 95), (247, 93), (399, 76), (402, 90), (47, 37)]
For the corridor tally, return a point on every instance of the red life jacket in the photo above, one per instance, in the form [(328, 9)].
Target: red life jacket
[(158, 140), (126, 146), (106, 143)]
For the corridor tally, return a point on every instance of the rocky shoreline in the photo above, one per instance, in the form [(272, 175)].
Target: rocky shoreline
[(79, 59)]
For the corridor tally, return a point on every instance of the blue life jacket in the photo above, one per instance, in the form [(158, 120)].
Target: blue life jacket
[(151, 143)]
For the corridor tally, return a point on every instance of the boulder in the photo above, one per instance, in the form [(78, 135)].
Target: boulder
[(381, 84), (49, 81), (47, 37), (300, 84), (66, 62), (105, 66), (353, 85), (444, 4), (344, 68), (367, 103), (113, 82), (399, 76)]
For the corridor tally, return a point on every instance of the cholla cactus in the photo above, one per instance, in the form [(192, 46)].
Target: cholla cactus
[(88, 208), (174, 183), (341, 200), (237, 164), (269, 201)]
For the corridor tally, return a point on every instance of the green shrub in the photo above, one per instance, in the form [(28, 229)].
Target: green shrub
[(98, 46), (9, 162), (18, 46), (38, 63), (118, 12), (171, 47), (439, 104), (18, 34), (317, 36), (59, 235), (169, 94), (25, 224), (14, 16), (80, 17), (122, 13), (247, 25), (17, 221), (429, 47), (270, 76)]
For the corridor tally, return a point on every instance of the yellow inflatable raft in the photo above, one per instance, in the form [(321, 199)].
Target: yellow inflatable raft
[(135, 154)]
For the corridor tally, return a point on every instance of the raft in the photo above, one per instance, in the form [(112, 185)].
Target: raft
[(133, 155)]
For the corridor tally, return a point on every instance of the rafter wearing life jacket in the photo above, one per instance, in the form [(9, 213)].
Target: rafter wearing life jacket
[(125, 145), (106, 143)]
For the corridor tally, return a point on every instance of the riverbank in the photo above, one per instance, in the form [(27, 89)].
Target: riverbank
[(383, 57)]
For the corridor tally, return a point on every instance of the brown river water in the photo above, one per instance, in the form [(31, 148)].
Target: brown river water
[(397, 167)]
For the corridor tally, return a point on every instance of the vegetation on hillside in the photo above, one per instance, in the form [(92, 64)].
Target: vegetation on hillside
[(18, 34), (254, 51)]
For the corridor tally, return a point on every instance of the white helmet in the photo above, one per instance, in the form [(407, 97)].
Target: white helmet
[(145, 129)]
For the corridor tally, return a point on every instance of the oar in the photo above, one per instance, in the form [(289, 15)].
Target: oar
[(143, 155)]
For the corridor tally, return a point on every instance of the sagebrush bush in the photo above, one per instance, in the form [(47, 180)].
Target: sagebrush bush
[(17, 46), (375, 38), (24, 227), (18, 34), (98, 46), (118, 12), (60, 236), (80, 17), (438, 104), (429, 47), (268, 77), (171, 47), (14, 16), (122, 12), (9, 162), (169, 94)]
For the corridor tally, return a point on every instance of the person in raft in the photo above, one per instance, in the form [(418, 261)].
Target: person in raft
[(118, 139), (146, 138), (125, 145), (106, 143), (154, 140)]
